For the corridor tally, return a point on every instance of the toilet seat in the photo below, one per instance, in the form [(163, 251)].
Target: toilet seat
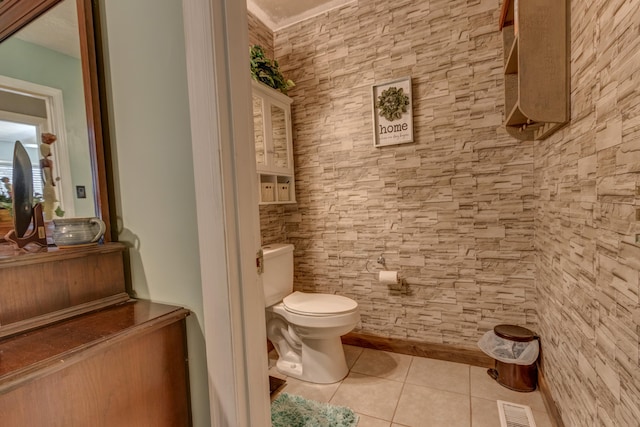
[(310, 304)]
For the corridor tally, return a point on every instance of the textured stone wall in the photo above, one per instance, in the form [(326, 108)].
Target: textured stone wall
[(453, 211), (587, 186), (260, 34)]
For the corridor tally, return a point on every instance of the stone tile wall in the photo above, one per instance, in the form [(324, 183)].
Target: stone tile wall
[(460, 210), (260, 34), (453, 211), (587, 187)]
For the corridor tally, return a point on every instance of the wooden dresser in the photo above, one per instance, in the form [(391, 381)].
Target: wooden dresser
[(75, 350)]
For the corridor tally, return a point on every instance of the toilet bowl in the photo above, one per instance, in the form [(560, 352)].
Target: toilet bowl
[(305, 328)]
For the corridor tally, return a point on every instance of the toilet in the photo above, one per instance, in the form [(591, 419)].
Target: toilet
[(304, 328)]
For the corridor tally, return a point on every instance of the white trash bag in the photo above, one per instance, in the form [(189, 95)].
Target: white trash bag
[(507, 351)]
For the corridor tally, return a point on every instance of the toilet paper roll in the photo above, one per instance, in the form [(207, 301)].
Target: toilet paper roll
[(388, 277)]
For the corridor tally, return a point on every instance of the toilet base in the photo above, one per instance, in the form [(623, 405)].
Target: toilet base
[(323, 362)]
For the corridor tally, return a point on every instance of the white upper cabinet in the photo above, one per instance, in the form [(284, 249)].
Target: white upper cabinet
[(273, 143), (272, 129)]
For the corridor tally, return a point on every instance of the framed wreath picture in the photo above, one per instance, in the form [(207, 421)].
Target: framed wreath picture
[(392, 112)]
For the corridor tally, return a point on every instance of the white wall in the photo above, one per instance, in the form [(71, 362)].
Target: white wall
[(150, 132)]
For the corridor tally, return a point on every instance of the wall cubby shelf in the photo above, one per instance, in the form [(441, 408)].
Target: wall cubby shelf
[(536, 70)]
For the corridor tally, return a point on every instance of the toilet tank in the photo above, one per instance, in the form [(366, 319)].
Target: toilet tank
[(277, 276)]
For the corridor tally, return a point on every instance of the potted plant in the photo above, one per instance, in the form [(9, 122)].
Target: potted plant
[(267, 71)]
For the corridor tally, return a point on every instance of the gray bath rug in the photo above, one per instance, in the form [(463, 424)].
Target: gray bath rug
[(289, 410)]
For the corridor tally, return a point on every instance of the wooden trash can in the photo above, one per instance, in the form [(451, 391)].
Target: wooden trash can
[(515, 377)]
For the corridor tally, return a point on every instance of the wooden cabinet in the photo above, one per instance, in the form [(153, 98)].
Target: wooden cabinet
[(51, 285), (75, 350), (273, 144), (125, 365), (536, 70)]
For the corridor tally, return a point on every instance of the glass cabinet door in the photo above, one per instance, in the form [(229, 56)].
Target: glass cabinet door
[(279, 138), (273, 145), (258, 131)]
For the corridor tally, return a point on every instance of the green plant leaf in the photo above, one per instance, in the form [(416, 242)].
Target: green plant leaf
[(267, 71)]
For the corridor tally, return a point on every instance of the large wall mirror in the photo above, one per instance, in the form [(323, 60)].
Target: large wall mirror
[(49, 83)]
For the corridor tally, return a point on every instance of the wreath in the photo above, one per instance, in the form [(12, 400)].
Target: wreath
[(392, 103)]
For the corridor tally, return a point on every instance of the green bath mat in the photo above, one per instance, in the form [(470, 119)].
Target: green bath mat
[(289, 410)]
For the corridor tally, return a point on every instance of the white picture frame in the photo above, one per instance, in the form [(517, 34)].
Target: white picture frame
[(392, 127)]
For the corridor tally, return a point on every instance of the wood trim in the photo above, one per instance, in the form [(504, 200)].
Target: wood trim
[(469, 355), (504, 13), (107, 195), (11, 257), (15, 14), (549, 403), (91, 80), (56, 316)]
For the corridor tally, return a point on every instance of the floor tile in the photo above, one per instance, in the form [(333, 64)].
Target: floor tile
[(424, 406), (317, 392), (383, 364), (484, 413), (483, 386), (375, 397), (542, 419), (366, 421), (351, 353), (394, 390), (439, 374)]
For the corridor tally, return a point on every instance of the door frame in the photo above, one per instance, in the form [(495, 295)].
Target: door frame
[(217, 44), (56, 124)]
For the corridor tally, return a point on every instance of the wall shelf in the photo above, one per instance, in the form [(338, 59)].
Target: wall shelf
[(536, 67)]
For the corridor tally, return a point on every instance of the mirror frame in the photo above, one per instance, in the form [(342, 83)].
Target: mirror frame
[(14, 15)]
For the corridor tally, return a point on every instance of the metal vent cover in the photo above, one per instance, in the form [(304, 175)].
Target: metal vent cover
[(515, 415)]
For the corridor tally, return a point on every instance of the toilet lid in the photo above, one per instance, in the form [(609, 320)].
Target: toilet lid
[(318, 304)]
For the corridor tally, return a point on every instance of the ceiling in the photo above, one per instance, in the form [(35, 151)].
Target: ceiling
[(57, 29), (277, 14)]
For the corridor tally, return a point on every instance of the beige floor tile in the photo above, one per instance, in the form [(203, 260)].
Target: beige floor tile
[(351, 353), (484, 413), (542, 419), (317, 392), (366, 421), (424, 406), (483, 386), (372, 396), (383, 364), (439, 374)]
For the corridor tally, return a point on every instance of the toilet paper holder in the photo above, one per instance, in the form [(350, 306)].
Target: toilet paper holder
[(382, 261), (385, 275)]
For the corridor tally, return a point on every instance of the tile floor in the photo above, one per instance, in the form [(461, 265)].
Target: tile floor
[(396, 390)]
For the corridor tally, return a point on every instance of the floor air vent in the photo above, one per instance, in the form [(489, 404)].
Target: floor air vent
[(514, 415)]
